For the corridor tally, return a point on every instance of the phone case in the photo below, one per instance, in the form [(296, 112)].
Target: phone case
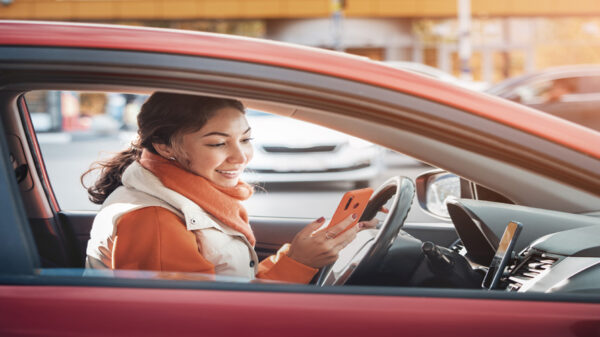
[(353, 202)]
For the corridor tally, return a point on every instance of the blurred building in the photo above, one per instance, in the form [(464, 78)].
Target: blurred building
[(507, 37)]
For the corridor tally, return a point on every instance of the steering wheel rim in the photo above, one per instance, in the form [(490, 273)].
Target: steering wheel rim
[(360, 258)]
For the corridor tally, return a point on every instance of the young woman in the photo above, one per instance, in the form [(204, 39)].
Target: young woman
[(172, 202)]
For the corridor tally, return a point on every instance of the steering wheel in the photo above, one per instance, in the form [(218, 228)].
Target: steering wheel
[(370, 246)]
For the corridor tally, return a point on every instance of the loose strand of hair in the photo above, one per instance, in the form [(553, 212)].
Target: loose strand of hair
[(111, 171)]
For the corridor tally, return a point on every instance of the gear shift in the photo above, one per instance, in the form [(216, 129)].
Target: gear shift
[(438, 261)]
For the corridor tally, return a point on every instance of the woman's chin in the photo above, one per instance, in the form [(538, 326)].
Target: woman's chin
[(227, 182)]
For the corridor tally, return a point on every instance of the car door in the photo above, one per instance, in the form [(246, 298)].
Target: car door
[(64, 302), (56, 302), (163, 304)]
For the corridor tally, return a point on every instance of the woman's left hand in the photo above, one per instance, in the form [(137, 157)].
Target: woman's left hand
[(373, 222), (368, 224)]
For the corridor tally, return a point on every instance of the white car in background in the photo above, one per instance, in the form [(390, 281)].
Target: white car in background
[(287, 150)]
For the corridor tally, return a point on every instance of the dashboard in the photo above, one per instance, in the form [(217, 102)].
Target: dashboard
[(556, 251)]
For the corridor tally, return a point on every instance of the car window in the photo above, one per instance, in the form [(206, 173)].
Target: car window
[(587, 85), (75, 129), (558, 90), (532, 93), (298, 169)]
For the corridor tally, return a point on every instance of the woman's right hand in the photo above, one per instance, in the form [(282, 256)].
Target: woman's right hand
[(318, 247)]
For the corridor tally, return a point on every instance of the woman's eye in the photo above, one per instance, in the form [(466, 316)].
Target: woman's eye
[(216, 145), (247, 140)]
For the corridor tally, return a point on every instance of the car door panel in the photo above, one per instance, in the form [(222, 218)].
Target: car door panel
[(77, 225), (108, 311), (54, 246), (18, 248)]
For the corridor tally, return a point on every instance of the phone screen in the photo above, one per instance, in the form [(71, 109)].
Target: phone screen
[(502, 256)]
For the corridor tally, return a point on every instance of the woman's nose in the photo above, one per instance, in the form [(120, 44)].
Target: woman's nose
[(238, 155)]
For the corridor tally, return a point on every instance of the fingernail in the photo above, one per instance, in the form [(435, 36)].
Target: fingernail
[(321, 220), (353, 216)]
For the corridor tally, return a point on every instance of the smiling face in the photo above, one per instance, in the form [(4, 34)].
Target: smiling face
[(219, 151)]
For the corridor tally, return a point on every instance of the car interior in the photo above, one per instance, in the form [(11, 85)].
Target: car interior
[(462, 250)]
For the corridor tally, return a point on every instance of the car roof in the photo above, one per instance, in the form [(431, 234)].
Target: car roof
[(421, 68), (260, 51)]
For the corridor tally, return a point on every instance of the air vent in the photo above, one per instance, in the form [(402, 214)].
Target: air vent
[(534, 265)]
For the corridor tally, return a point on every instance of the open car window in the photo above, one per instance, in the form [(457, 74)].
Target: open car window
[(299, 170)]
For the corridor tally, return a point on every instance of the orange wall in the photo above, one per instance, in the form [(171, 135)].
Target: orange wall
[(263, 9)]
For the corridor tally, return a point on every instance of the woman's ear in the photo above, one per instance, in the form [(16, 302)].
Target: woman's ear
[(164, 150)]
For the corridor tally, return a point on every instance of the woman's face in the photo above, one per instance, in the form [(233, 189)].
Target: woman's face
[(221, 149)]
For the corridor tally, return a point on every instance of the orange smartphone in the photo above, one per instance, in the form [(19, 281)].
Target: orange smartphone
[(353, 202)]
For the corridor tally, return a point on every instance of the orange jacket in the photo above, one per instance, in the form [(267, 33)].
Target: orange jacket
[(166, 245), (156, 238)]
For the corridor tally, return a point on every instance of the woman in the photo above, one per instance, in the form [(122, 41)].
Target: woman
[(172, 202)]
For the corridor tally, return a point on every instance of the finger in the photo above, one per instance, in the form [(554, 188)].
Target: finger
[(368, 224), (345, 238), (346, 235), (313, 226), (339, 227), (384, 210)]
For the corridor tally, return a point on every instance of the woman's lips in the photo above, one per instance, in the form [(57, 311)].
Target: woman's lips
[(230, 173)]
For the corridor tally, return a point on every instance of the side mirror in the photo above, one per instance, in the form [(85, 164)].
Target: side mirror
[(434, 188)]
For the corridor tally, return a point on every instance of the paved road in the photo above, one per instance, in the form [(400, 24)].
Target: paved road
[(67, 159)]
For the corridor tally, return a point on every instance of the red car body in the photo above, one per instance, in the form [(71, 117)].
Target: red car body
[(60, 311), (32, 305)]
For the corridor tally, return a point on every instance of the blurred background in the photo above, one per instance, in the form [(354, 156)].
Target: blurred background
[(507, 38), (542, 53)]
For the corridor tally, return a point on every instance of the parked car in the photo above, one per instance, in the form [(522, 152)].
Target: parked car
[(514, 163), (288, 150), (569, 92)]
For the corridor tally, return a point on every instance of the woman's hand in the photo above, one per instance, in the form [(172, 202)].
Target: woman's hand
[(317, 247), (373, 222)]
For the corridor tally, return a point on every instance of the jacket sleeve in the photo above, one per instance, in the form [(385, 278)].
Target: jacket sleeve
[(153, 238), (281, 267)]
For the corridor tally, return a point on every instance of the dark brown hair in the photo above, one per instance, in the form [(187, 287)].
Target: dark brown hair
[(163, 117)]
